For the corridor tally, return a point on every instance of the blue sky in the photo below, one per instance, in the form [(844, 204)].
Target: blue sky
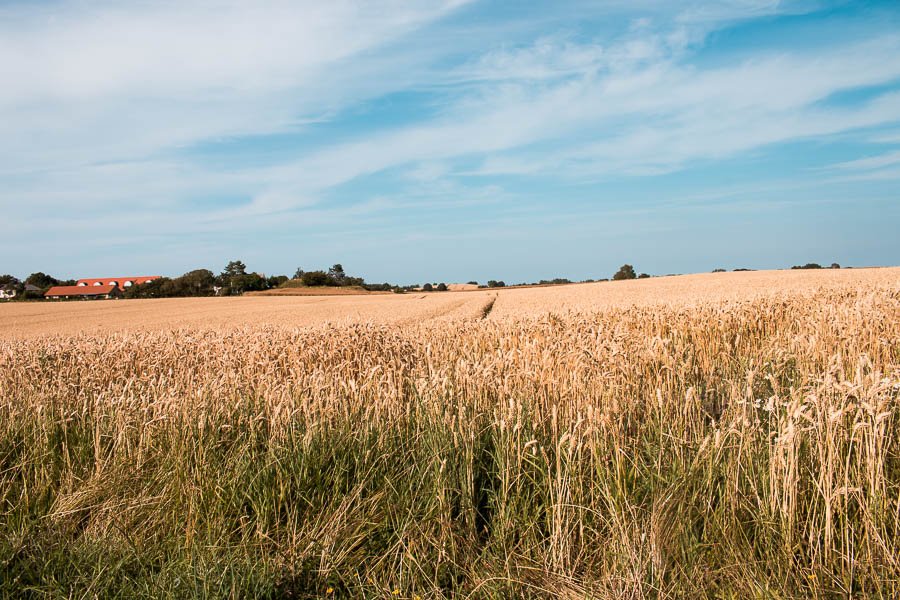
[(448, 140)]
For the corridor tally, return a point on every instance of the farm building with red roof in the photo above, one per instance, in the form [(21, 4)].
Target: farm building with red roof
[(122, 282), (94, 288), (88, 292)]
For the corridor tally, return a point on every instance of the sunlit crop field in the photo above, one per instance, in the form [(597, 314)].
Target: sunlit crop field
[(49, 318), (724, 435), (52, 318)]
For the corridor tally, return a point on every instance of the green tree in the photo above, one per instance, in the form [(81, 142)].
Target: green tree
[(276, 280), (315, 278), (235, 267), (378, 287), (41, 280), (158, 288), (248, 282), (234, 277), (625, 272), (337, 273), (442, 287), (199, 282), (427, 287)]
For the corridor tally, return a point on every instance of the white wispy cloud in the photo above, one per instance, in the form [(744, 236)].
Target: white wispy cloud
[(94, 81), (653, 117), (872, 162)]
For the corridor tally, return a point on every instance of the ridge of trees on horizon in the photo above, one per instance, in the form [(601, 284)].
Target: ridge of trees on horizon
[(235, 280), (816, 266)]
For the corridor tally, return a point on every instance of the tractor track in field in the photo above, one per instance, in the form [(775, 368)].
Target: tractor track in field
[(487, 308)]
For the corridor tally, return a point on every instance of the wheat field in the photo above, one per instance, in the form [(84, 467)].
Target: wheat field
[(729, 435), (42, 319)]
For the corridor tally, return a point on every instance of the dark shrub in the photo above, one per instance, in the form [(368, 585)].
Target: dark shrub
[(315, 278), (625, 272)]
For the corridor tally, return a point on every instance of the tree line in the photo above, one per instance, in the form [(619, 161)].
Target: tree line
[(34, 286), (235, 279)]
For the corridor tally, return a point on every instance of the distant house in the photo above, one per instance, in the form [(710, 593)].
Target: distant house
[(33, 289), (8, 291), (121, 282), (86, 292)]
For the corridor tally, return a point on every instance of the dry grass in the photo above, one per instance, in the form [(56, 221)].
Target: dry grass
[(684, 437)]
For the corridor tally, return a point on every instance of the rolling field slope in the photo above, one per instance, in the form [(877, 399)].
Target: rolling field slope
[(708, 436), (37, 319)]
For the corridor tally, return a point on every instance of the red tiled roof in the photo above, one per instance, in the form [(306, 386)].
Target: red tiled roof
[(80, 290), (119, 280)]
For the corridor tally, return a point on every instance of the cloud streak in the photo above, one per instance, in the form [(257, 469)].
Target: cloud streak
[(96, 81), (642, 117)]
